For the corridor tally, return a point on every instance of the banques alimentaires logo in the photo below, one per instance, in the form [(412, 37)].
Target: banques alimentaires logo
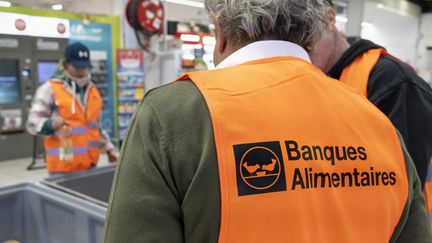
[(260, 167)]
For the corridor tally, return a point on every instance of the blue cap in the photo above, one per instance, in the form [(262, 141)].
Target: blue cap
[(78, 55)]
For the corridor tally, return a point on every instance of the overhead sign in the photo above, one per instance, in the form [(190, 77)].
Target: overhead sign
[(28, 25)]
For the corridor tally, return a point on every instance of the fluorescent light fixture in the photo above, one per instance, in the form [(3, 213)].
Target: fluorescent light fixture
[(57, 7), (190, 38), (341, 19), (188, 3), (5, 4)]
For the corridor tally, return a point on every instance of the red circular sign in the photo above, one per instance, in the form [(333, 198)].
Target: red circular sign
[(20, 24), (145, 14), (61, 28), (150, 14)]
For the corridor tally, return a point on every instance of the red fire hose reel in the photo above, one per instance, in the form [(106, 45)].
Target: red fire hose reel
[(145, 17)]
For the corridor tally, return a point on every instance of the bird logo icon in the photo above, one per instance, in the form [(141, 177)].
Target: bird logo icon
[(260, 168), (264, 168)]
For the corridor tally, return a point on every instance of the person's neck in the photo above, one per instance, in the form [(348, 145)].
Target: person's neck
[(342, 46), (230, 49)]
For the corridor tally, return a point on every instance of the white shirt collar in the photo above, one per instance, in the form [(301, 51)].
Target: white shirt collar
[(264, 49)]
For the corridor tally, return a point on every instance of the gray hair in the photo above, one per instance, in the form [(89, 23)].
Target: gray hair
[(247, 21)]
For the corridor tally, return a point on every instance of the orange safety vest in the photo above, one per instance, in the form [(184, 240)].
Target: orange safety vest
[(301, 158), (427, 191), (356, 75), (85, 129)]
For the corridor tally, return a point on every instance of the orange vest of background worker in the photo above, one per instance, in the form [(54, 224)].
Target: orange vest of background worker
[(281, 172), (356, 75), (390, 84), (84, 125), (65, 111)]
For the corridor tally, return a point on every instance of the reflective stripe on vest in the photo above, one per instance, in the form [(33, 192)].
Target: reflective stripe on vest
[(85, 130), (95, 144), (56, 151), (93, 125), (79, 130), (294, 164)]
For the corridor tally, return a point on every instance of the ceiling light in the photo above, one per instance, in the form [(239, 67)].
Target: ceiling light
[(57, 7), (380, 5), (188, 3), (5, 4)]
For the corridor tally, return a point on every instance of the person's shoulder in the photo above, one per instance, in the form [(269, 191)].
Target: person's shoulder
[(176, 110), (180, 98), (173, 94), (45, 88), (390, 73)]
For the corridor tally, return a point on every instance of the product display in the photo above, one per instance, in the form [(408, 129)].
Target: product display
[(130, 85), (99, 74), (197, 51)]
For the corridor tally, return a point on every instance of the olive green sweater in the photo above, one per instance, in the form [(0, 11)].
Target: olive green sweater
[(166, 188)]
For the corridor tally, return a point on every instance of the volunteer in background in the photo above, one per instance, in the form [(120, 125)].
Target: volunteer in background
[(390, 84), (265, 148), (66, 111)]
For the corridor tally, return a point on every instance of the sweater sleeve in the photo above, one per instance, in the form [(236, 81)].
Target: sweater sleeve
[(166, 188), (144, 206), (414, 225), (41, 111)]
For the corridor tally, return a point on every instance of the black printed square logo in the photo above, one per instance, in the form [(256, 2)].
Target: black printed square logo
[(259, 168)]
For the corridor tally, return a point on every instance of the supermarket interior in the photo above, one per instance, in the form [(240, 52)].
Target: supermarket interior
[(62, 141)]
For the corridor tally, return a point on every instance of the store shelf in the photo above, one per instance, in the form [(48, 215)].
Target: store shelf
[(125, 113), (131, 86), (99, 72), (127, 99), (102, 85), (131, 73)]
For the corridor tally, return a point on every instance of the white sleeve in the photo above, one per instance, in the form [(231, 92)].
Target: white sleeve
[(42, 108)]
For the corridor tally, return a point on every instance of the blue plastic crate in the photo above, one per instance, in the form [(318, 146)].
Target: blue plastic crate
[(35, 213)]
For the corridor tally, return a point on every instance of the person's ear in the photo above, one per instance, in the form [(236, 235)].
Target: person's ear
[(221, 42), (331, 15)]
